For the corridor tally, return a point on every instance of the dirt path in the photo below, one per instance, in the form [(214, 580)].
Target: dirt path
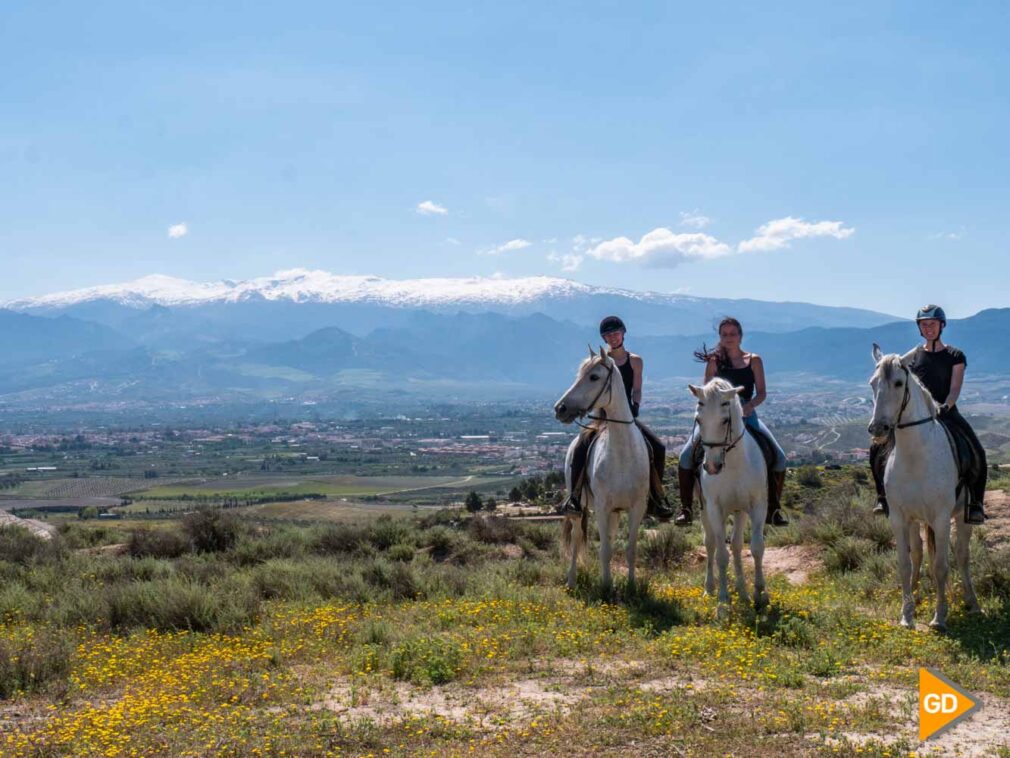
[(997, 525)]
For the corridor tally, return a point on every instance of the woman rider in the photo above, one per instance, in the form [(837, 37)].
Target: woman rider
[(612, 330), (728, 361), (940, 368)]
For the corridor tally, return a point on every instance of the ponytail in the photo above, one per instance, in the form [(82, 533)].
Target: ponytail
[(704, 355)]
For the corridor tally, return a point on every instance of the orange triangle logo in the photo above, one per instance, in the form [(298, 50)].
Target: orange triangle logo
[(942, 703)]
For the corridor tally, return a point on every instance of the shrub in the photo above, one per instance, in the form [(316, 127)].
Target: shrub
[(991, 573), (386, 532), (31, 658), (285, 542), (848, 554), (473, 502), (809, 476), (157, 543), (178, 604), (494, 530), (396, 578), (666, 548), (211, 530), (340, 538), (20, 546), (401, 552), (426, 660)]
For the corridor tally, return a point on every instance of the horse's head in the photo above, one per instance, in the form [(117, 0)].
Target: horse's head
[(890, 383), (719, 414), (591, 382)]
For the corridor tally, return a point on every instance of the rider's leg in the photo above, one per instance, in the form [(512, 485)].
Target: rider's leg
[(975, 513), (776, 475), (574, 502), (878, 459), (658, 506), (685, 480)]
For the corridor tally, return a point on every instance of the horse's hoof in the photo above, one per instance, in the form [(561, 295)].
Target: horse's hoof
[(907, 623), (937, 626), (761, 602), (973, 609)]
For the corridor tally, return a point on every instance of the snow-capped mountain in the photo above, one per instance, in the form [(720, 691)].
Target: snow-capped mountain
[(305, 286), (291, 304)]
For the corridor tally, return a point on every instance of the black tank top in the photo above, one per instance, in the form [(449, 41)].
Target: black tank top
[(739, 377), (628, 375)]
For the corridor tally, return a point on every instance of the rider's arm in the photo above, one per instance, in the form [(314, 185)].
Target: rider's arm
[(759, 385), (636, 386), (956, 380)]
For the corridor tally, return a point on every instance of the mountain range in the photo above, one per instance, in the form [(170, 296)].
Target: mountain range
[(309, 333)]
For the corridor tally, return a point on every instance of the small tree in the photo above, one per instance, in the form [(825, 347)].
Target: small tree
[(515, 495), (473, 502), (490, 504)]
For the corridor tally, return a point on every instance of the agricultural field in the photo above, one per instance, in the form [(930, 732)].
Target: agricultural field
[(443, 634)]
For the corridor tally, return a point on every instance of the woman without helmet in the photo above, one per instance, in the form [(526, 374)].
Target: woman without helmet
[(741, 369)]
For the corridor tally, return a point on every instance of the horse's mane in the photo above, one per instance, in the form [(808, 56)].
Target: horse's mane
[(718, 383), (586, 363)]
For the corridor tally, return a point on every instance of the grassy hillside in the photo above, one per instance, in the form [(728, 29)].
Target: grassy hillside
[(451, 636)]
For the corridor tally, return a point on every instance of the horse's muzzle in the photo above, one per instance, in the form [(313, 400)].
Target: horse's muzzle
[(878, 430), (712, 469), (564, 414)]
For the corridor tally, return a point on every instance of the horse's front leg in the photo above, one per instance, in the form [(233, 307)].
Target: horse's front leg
[(941, 527), (635, 516), (915, 546), (737, 542), (717, 543), (757, 551), (904, 571), (708, 529), (606, 547)]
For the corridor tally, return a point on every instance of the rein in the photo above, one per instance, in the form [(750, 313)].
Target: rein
[(608, 386), (904, 404), (729, 433)]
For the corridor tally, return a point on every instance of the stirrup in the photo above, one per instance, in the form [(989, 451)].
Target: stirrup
[(684, 518), (571, 505), (776, 518)]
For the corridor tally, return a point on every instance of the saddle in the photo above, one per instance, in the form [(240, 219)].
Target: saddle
[(965, 460), (767, 449), (582, 483)]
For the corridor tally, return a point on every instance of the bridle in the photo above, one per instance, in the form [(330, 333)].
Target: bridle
[(608, 386), (904, 404), (728, 423)]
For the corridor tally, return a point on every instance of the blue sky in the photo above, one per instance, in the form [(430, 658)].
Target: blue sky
[(306, 134)]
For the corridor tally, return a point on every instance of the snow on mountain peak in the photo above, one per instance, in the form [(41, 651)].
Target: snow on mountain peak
[(307, 285)]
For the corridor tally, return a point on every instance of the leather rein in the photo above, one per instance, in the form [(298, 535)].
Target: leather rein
[(904, 404), (607, 387)]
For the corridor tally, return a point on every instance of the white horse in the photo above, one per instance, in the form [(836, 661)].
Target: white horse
[(734, 480), (617, 467), (920, 480)]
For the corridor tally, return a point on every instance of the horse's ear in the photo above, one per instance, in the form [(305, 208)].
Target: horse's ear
[(739, 390), (603, 353), (877, 353), (592, 353), (696, 391)]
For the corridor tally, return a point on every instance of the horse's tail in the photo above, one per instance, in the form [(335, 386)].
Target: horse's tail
[(575, 532)]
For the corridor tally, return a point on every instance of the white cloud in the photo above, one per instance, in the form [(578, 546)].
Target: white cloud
[(429, 208), (661, 248), (453, 241), (950, 236), (508, 247), (779, 233), (175, 231), (694, 219), (569, 261)]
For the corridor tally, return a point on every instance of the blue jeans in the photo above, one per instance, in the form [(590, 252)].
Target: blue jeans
[(687, 452)]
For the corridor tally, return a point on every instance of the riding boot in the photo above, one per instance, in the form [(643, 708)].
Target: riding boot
[(776, 482), (881, 509), (974, 514), (685, 480), (574, 502)]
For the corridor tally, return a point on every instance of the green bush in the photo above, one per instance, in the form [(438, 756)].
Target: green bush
[(31, 659), (426, 660), (494, 530), (211, 530), (401, 552), (20, 546), (157, 543), (848, 554), (666, 548), (809, 476), (178, 604)]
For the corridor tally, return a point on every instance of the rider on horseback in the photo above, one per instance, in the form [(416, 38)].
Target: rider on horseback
[(728, 361), (612, 330), (940, 368)]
